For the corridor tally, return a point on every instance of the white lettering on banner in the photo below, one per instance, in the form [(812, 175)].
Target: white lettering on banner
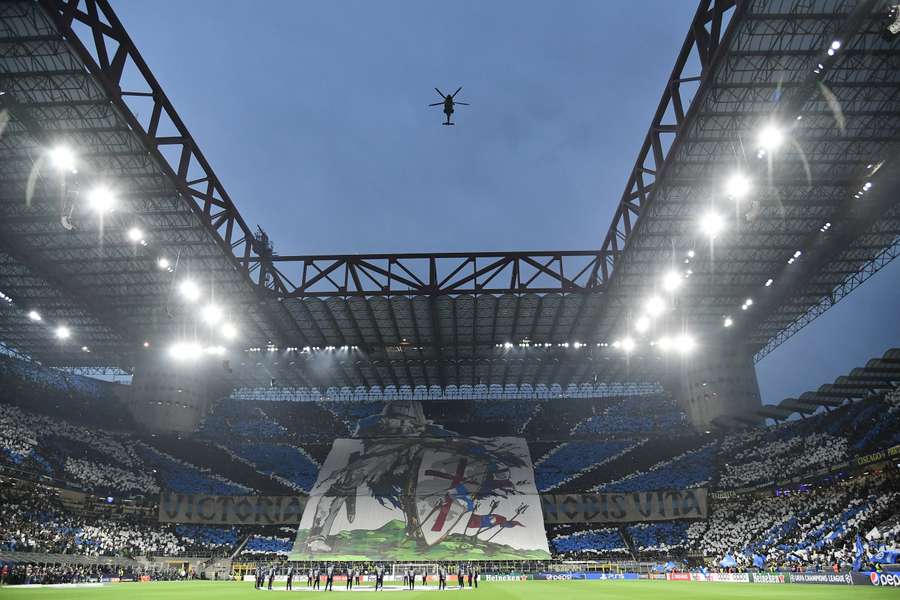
[(625, 507), (888, 579), (767, 578), (230, 510), (721, 577)]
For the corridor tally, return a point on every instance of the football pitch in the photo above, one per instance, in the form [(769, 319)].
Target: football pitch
[(525, 590)]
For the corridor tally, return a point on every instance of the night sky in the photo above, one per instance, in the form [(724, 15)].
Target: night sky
[(313, 114)]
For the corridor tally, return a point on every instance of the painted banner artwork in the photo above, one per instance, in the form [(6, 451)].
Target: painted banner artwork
[(427, 497)]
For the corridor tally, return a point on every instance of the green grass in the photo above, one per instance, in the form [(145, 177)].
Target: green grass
[(525, 590)]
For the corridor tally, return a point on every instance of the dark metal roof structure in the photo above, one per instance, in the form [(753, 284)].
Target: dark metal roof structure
[(880, 376), (70, 74)]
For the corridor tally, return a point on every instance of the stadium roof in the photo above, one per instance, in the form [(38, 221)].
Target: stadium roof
[(879, 377), (70, 74)]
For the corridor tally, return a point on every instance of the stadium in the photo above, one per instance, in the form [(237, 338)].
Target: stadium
[(694, 406)]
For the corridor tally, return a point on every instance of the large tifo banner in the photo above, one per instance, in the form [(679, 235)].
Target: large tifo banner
[(624, 507), (230, 510), (424, 498)]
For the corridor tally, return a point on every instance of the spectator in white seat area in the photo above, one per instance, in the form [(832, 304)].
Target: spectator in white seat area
[(816, 528), (770, 461), (104, 476), (32, 523)]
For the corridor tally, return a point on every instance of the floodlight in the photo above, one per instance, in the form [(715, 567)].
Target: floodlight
[(769, 282), (642, 324), (690, 254), (770, 138), (728, 322), (63, 159), (229, 331), (135, 234), (189, 290), (34, 315), (184, 351), (627, 344), (685, 344), (836, 45), (655, 306), (211, 314), (163, 263), (712, 224), (671, 281), (101, 199), (62, 332), (749, 301), (737, 186)]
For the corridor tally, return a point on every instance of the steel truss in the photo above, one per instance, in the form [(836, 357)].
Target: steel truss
[(364, 275), (853, 281), (107, 54), (702, 45)]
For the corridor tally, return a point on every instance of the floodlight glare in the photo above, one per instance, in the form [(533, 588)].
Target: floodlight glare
[(229, 331), (101, 199), (184, 351), (655, 306), (671, 281), (664, 343), (211, 314), (62, 159), (642, 324), (135, 234), (770, 138), (627, 344), (685, 344), (189, 290), (62, 332), (215, 350), (712, 224), (34, 315), (737, 186)]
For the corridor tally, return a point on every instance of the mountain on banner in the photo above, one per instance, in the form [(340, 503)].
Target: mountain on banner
[(475, 495)]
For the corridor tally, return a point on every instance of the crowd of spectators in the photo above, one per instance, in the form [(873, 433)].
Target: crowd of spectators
[(663, 537), (572, 542), (179, 476), (288, 464), (634, 415), (28, 573), (816, 527), (569, 459), (267, 545), (694, 468), (32, 523)]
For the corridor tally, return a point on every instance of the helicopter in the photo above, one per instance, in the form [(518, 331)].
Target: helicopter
[(448, 103)]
